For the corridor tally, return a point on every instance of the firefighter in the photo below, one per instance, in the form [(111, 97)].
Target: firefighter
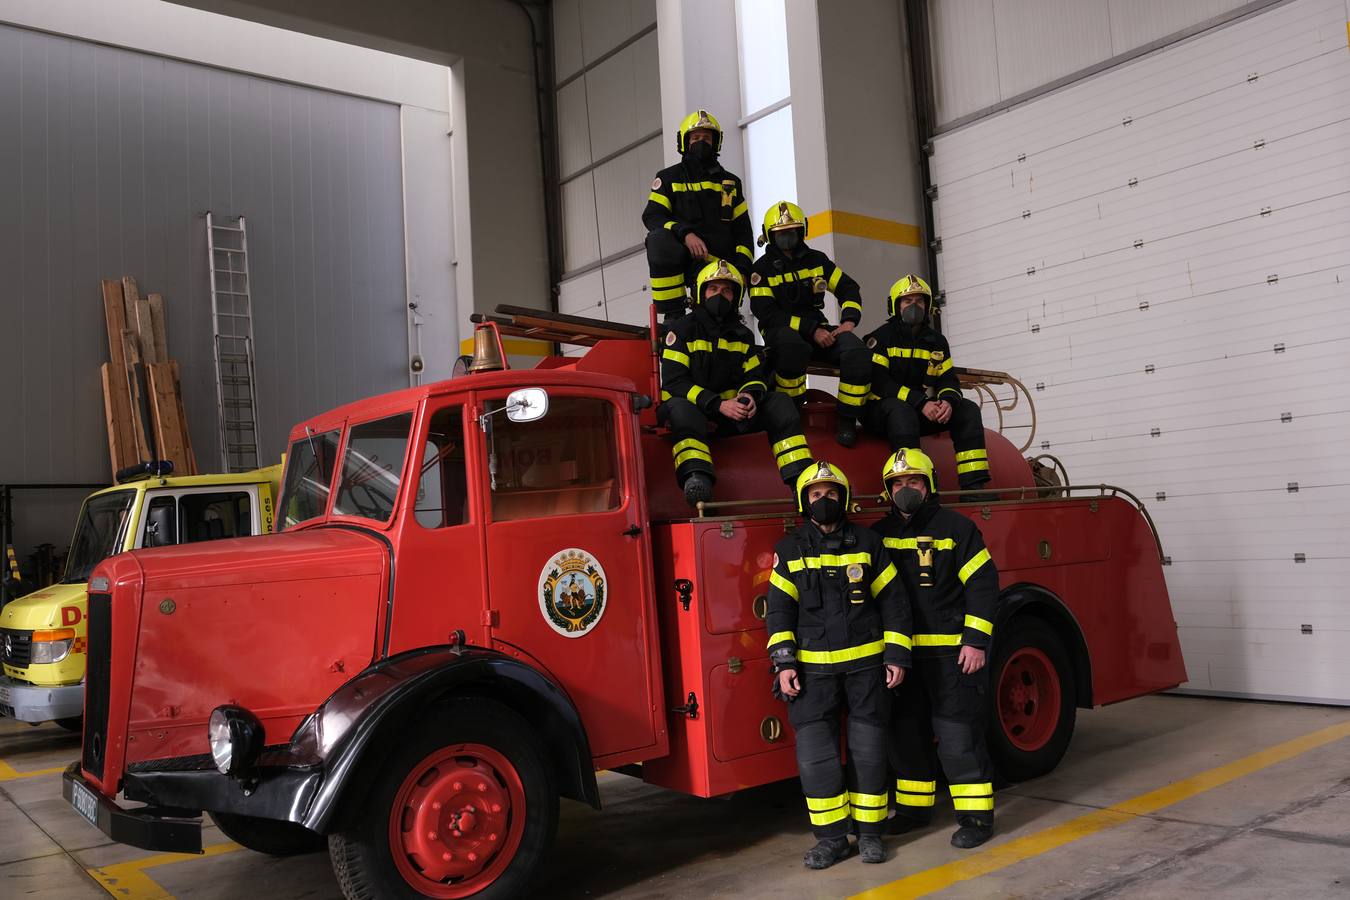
[(839, 631), (787, 296), (953, 589), (711, 375), (916, 392), (696, 212)]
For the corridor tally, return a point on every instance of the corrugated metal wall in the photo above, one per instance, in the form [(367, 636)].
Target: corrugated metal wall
[(108, 161), (609, 123)]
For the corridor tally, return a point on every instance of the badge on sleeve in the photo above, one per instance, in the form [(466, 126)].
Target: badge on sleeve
[(775, 560), (656, 183), (754, 278), (670, 339), (871, 342)]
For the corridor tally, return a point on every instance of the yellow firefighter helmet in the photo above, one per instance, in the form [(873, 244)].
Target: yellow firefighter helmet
[(907, 461), (783, 214), (699, 118), (719, 270), (911, 284), (818, 472)]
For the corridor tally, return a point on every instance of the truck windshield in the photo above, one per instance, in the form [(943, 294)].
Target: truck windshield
[(100, 533), (372, 468), (309, 476)]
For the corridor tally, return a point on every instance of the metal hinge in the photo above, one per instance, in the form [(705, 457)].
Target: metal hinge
[(684, 592), (690, 707)]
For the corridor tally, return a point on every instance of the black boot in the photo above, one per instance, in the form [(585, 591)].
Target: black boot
[(846, 430), (982, 497), (870, 849), (972, 833), (697, 487), (903, 824), (826, 853)]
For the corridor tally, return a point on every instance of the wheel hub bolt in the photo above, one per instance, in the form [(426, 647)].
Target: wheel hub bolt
[(473, 857), (459, 785), (431, 835), (436, 804), (496, 807), (446, 857), (482, 788), (493, 836)]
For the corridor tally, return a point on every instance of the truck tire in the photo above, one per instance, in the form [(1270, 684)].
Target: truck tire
[(270, 836), (1032, 714), (464, 807)]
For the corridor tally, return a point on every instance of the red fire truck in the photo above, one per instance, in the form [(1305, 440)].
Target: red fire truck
[(484, 590)]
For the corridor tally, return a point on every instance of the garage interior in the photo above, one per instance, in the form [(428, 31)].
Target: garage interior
[(1138, 208)]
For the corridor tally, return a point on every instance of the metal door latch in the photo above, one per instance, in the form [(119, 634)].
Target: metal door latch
[(684, 592), (690, 707)]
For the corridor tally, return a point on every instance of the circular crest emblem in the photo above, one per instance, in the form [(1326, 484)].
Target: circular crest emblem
[(572, 592), (670, 339), (871, 342), (754, 278), (656, 183)]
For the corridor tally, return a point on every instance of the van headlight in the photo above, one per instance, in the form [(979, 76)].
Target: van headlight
[(236, 738), (51, 646)]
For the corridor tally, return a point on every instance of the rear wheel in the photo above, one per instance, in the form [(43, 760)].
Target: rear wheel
[(466, 808), (1033, 711), (270, 836)]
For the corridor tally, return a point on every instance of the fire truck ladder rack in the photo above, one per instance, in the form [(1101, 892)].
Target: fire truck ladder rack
[(232, 328), (542, 325)]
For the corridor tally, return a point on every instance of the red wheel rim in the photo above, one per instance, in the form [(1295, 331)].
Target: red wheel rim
[(457, 821), (1029, 698)]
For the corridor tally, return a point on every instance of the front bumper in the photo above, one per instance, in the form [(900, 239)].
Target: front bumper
[(32, 703), (150, 828)]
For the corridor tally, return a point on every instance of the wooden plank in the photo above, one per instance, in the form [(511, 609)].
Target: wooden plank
[(166, 412), (191, 456), (145, 330), (131, 301), (121, 439), (159, 328), (116, 453), (140, 437)]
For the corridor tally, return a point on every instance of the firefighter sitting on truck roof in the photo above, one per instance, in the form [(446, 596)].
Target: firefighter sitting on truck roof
[(695, 213), (953, 589), (915, 390), (711, 374), (839, 626), (787, 296)]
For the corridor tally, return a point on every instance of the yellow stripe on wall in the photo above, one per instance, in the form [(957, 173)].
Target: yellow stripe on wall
[(855, 225), (512, 346)]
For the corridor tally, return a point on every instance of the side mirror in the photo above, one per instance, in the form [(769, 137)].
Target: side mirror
[(527, 404)]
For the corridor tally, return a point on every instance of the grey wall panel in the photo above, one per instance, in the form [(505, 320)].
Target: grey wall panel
[(1138, 22), (605, 24), (566, 38), (574, 133), (108, 160)]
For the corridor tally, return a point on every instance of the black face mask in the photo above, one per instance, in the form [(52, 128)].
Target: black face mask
[(826, 510), (701, 152), (908, 500), (912, 315), (787, 240), (718, 306)]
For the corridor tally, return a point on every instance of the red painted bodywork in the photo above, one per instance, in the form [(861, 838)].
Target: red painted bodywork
[(277, 623)]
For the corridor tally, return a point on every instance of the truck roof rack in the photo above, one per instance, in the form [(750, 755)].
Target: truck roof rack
[(542, 325)]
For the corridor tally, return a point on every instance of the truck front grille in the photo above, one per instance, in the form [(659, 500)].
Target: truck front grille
[(16, 647), (97, 673)]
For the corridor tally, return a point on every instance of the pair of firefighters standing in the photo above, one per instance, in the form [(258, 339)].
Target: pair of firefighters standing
[(851, 610)]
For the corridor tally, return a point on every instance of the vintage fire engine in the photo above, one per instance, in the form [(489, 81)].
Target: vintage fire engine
[(484, 590)]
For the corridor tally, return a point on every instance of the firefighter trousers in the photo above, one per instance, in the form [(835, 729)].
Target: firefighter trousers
[(937, 700), (774, 414), (901, 424), (790, 354), (673, 268), (836, 806)]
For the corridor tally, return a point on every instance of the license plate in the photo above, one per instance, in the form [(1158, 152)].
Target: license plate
[(6, 695), (85, 802)]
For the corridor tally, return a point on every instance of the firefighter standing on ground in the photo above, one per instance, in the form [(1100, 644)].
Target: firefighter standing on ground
[(787, 296), (696, 212), (910, 358), (953, 589), (711, 374), (839, 638)]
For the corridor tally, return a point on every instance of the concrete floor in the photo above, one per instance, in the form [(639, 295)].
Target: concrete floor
[(1159, 797)]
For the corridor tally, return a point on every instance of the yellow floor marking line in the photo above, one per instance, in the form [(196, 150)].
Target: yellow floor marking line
[(129, 881), (9, 773), (1003, 855)]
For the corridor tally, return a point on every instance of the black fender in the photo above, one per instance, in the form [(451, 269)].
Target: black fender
[(1026, 599), (348, 734)]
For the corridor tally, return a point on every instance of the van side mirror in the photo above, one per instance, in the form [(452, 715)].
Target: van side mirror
[(527, 404)]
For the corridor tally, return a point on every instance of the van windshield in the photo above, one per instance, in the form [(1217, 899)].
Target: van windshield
[(101, 532)]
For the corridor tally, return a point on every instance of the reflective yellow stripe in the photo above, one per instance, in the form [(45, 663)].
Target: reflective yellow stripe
[(665, 395), (834, 280), (681, 186), (913, 544), (797, 440), (977, 466), (848, 654), (676, 356), (735, 346), (667, 281), (902, 394), (761, 292), (971, 567), (850, 400), (744, 251), (916, 787), (829, 818), (972, 454), (828, 559), (727, 394), (979, 624), (867, 799), (941, 368), (908, 353), (670, 226), (675, 293), (869, 815), (859, 390), (937, 640), (898, 639), (750, 384), (705, 346), (783, 584), (821, 804), (788, 382), (850, 304), (779, 636), (949, 390), (795, 323), (788, 459), (879, 583), (742, 208), (983, 789), (686, 444), (694, 393), (973, 804), (685, 455), (915, 799), (750, 363), (659, 198), (881, 360)]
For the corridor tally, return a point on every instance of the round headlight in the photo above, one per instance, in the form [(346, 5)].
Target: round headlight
[(236, 739)]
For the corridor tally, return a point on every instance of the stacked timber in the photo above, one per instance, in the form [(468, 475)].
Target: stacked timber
[(142, 396)]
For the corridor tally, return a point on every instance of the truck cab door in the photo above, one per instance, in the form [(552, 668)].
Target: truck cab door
[(569, 560)]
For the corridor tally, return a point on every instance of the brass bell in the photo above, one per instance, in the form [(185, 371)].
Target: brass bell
[(487, 350)]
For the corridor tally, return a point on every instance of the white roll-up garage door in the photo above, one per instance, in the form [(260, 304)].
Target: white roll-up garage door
[(1161, 252)]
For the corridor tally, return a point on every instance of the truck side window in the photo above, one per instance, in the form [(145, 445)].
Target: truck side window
[(309, 475), (161, 523), (562, 464), (212, 516), (372, 468), (442, 498)]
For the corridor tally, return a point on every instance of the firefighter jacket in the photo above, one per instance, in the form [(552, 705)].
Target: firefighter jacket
[(835, 601), (710, 202), (906, 364), (952, 582), (789, 291), (706, 361)]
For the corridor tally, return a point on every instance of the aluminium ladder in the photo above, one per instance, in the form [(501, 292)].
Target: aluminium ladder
[(232, 325)]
